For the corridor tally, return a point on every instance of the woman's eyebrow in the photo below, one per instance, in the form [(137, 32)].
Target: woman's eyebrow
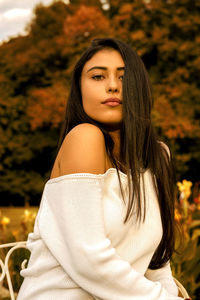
[(104, 68)]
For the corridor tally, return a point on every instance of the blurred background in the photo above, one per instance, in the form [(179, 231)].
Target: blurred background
[(40, 41)]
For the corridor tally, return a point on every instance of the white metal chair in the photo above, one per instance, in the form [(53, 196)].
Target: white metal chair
[(4, 264), (182, 290)]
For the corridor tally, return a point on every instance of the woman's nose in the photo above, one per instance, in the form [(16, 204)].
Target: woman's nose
[(113, 89), (112, 86)]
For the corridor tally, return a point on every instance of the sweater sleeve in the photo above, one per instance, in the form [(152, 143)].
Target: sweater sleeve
[(164, 276), (71, 225)]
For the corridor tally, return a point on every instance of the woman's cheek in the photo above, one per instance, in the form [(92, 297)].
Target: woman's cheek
[(88, 104)]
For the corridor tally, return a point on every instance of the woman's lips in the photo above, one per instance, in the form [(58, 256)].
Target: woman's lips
[(112, 102)]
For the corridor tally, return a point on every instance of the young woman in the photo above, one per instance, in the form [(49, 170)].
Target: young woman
[(105, 227)]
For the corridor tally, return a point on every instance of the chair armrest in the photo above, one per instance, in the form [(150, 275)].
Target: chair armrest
[(182, 290)]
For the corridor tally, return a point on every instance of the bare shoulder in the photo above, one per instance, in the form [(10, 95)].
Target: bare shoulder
[(83, 151)]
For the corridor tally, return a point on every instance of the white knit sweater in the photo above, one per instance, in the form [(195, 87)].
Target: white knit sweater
[(82, 250)]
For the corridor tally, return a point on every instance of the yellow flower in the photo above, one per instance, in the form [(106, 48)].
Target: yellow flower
[(28, 216), (27, 213), (185, 187), (177, 215), (5, 221)]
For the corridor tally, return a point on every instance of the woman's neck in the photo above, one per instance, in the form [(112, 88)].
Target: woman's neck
[(116, 139)]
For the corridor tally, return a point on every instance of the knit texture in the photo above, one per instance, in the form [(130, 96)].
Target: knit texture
[(82, 250)]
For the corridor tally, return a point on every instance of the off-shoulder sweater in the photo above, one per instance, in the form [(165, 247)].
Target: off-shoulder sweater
[(82, 250)]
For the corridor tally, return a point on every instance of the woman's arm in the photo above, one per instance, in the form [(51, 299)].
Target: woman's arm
[(165, 277), (71, 224)]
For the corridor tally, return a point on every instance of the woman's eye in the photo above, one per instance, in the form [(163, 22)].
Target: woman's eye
[(98, 77), (121, 77)]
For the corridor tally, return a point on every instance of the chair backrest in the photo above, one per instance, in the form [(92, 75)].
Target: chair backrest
[(4, 264)]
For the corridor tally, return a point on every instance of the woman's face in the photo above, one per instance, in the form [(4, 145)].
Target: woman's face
[(101, 87)]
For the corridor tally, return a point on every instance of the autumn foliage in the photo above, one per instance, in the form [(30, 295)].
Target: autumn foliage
[(35, 72)]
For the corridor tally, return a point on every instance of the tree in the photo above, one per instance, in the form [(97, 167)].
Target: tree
[(166, 35), (35, 73), (30, 67)]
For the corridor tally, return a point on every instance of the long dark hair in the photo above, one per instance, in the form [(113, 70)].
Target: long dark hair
[(139, 146)]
